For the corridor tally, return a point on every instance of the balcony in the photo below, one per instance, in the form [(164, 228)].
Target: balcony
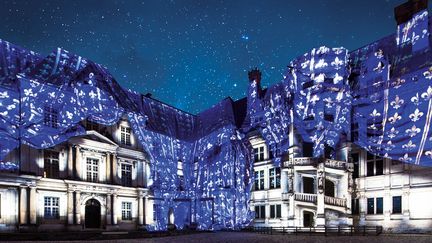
[(335, 201), (305, 197), (310, 161)]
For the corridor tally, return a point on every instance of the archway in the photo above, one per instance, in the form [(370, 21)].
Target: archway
[(308, 219), (92, 214), (329, 188)]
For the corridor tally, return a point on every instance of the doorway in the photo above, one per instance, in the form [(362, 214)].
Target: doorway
[(308, 185), (329, 188), (308, 219), (92, 214)]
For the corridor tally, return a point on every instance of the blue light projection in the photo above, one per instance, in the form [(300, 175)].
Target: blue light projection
[(378, 97)]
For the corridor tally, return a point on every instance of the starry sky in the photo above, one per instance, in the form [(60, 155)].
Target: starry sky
[(191, 53)]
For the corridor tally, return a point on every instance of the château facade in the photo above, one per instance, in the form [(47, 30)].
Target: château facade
[(328, 145)]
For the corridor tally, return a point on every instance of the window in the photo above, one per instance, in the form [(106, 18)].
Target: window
[(155, 212), (196, 166), (274, 178), (308, 149), (126, 210), (125, 137), (259, 153), (180, 175), (375, 205), (126, 174), (374, 165), (92, 126), (259, 180), (275, 211), (92, 170), (355, 206), (355, 161), (397, 204), (51, 208), (50, 117), (51, 164), (260, 212)]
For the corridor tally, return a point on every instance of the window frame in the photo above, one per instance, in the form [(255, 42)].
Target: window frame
[(260, 212), (259, 153), (259, 180), (126, 210), (50, 116), (275, 179), (51, 164), (275, 211), (126, 174), (94, 174), (373, 160), (393, 205), (125, 135), (51, 207)]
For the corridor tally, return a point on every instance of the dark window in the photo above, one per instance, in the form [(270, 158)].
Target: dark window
[(50, 117), (379, 167), (307, 149), (379, 205), (329, 117), (51, 164), (260, 212), (275, 211), (370, 168), (308, 84), (355, 160), (355, 206), (397, 204), (370, 205), (126, 174), (308, 185), (274, 178), (92, 126), (51, 208)]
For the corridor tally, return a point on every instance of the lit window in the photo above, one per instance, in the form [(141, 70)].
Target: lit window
[(274, 178), (275, 211), (126, 211), (374, 165), (259, 153), (51, 208), (180, 175), (397, 204), (260, 212), (92, 170), (50, 117), (51, 164), (125, 137), (126, 174), (259, 180)]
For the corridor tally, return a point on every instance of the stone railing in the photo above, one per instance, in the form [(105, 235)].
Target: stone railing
[(305, 197), (300, 161), (336, 164), (335, 201)]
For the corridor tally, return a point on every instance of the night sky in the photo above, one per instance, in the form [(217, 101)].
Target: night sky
[(192, 54)]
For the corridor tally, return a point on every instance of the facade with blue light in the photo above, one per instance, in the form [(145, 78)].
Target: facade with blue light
[(343, 139)]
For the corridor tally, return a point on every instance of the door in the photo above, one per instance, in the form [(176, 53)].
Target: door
[(308, 185), (308, 219), (329, 188), (92, 214)]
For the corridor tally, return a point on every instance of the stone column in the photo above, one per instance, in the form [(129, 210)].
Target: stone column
[(115, 206), (114, 171), (147, 212), (320, 219), (70, 162), (284, 181), (108, 167), (108, 209), (140, 209), (70, 207), (23, 205), (79, 173), (33, 205), (78, 207)]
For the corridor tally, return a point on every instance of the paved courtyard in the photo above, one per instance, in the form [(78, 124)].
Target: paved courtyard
[(254, 237)]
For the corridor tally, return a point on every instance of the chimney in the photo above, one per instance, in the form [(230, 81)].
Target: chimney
[(255, 74), (405, 11)]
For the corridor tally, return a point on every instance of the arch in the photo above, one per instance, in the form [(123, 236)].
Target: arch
[(329, 188), (92, 214)]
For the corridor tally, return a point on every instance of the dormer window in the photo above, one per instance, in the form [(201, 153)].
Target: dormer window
[(125, 135), (50, 117), (259, 153), (92, 126)]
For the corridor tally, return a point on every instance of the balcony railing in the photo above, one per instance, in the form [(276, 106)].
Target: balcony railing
[(305, 161), (336, 164), (305, 197), (335, 201)]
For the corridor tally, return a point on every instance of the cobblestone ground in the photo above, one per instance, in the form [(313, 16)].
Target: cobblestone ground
[(238, 237)]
